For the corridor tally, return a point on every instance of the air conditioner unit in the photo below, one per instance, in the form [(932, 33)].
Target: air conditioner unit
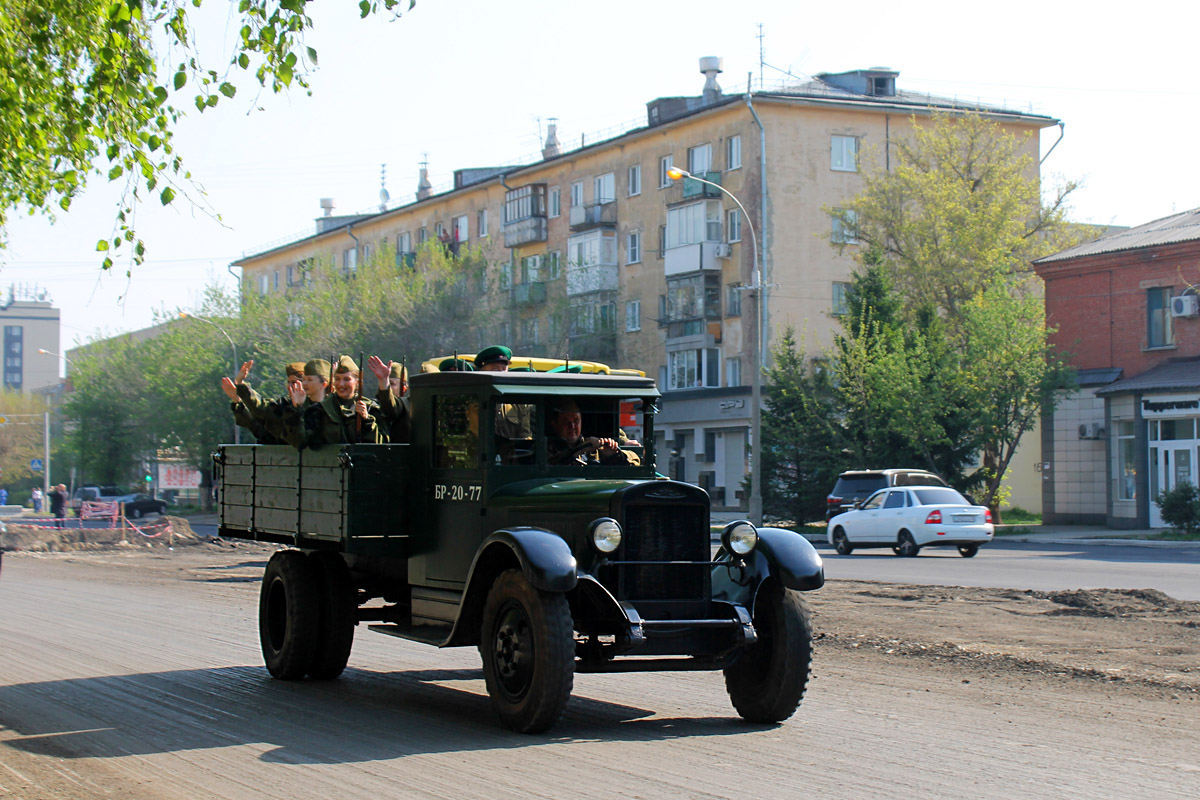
[(724, 250), (1185, 305), (1091, 430)]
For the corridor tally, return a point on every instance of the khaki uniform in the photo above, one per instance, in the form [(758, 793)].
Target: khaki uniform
[(266, 416), (395, 414), (558, 452), (333, 421)]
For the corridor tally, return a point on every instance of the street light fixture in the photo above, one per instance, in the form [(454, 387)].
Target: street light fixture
[(237, 432), (756, 502)]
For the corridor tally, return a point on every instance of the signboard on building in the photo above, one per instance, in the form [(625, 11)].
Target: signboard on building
[(1171, 406), (178, 476)]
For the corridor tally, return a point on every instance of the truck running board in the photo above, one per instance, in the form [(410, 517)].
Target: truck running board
[(425, 634)]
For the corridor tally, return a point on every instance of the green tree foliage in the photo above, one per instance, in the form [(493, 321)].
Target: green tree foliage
[(959, 207), (1181, 507), (22, 437), (803, 438), (96, 87), (131, 398)]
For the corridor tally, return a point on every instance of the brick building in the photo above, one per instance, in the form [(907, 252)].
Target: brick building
[(1127, 309)]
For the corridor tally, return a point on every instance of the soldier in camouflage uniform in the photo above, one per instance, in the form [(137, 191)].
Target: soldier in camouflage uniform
[(342, 417)]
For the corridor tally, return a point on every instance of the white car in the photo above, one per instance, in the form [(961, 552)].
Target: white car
[(911, 517)]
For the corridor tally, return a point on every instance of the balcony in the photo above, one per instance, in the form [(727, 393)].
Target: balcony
[(699, 257), (594, 215), (524, 231), (692, 189), (529, 294)]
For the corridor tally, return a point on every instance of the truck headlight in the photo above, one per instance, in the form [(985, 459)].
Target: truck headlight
[(606, 535), (739, 537)]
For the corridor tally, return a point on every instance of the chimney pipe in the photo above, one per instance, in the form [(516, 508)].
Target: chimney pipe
[(710, 68), (327, 206), (552, 147), (424, 187)]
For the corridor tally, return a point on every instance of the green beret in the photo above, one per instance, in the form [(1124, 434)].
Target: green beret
[(318, 367), (455, 365), (496, 352), (346, 364)]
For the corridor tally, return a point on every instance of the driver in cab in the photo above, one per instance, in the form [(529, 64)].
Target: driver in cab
[(569, 447)]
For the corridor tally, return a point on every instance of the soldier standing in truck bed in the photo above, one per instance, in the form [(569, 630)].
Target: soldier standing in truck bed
[(394, 404), (342, 417), (262, 418)]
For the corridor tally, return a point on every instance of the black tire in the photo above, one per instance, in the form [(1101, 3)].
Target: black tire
[(338, 614), (528, 649), (136, 513), (968, 550), (841, 543), (288, 614), (767, 683), (906, 546)]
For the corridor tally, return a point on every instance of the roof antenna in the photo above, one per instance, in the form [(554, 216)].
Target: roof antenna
[(383, 192)]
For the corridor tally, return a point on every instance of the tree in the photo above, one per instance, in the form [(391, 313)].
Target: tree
[(88, 88), (959, 207), (21, 437)]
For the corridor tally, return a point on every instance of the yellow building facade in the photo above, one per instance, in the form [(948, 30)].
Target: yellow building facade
[(596, 253)]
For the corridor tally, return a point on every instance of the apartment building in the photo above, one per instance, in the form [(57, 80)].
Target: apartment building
[(599, 254), (31, 330)]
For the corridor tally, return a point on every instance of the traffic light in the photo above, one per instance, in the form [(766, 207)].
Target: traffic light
[(149, 477)]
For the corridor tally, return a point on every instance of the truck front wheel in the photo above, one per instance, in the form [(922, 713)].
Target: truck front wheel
[(528, 650), (767, 683), (288, 614)]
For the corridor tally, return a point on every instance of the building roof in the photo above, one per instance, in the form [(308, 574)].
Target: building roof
[(1098, 376), (1174, 375), (1182, 227)]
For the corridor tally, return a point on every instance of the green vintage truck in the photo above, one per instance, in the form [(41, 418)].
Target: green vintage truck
[(466, 537)]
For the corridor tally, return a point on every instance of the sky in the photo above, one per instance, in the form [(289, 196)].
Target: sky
[(469, 83)]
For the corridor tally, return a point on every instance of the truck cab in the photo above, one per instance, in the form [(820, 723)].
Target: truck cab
[(476, 534)]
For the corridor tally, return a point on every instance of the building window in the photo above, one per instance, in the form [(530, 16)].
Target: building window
[(438, 230), (524, 202), (1126, 461), (694, 223), (422, 235), (662, 318), (733, 371), (664, 164), (461, 230), (275, 281), (841, 304), (529, 331), (506, 275), (576, 194), (291, 275), (263, 286), (604, 188), (592, 249), (734, 224), (531, 267), (555, 202), (481, 222), (633, 315), (633, 248), (691, 369), (843, 153), (1159, 330), (733, 304), (845, 226), (662, 240), (635, 180), (349, 260), (700, 159), (733, 152), (555, 262)]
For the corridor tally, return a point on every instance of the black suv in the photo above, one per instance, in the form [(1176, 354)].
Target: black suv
[(855, 485)]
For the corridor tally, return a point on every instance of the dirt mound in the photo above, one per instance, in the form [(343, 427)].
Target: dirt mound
[(1114, 602), (40, 537)]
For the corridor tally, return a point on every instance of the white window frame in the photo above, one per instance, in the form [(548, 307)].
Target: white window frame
[(604, 188), (350, 260), (404, 242), (633, 247), (634, 181), (555, 203), (462, 229), (843, 153), (841, 305), (664, 165), (700, 159), (840, 234), (733, 371), (481, 223), (733, 224), (554, 264), (633, 315), (576, 194), (694, 223), (733, 153)]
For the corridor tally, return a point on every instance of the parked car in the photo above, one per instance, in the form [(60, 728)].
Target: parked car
[(909, 518), (139, 505), (855, 485), (93, 493)]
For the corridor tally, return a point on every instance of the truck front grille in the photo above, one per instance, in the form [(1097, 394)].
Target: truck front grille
[(664, 533)]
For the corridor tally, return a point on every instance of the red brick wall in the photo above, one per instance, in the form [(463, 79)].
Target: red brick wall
[(1098, 304)]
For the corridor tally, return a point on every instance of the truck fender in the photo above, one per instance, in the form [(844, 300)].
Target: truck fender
[(543, 557), (792, 558)]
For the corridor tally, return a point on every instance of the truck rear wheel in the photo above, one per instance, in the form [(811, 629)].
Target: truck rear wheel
[(338, 605), (528, 650), (767, 683), (288, 614)]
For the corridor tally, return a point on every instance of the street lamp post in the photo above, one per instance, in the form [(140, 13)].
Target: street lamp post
[(46, 431), (237, 433), (756, 502)]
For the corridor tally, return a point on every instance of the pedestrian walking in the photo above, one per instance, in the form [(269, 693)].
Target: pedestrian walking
[(58, 504)]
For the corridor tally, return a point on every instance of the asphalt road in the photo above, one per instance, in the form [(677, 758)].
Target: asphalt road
[(1046, 567), (118, 682)]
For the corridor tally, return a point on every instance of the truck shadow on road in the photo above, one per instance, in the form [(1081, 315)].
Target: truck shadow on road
[(364, 716)]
